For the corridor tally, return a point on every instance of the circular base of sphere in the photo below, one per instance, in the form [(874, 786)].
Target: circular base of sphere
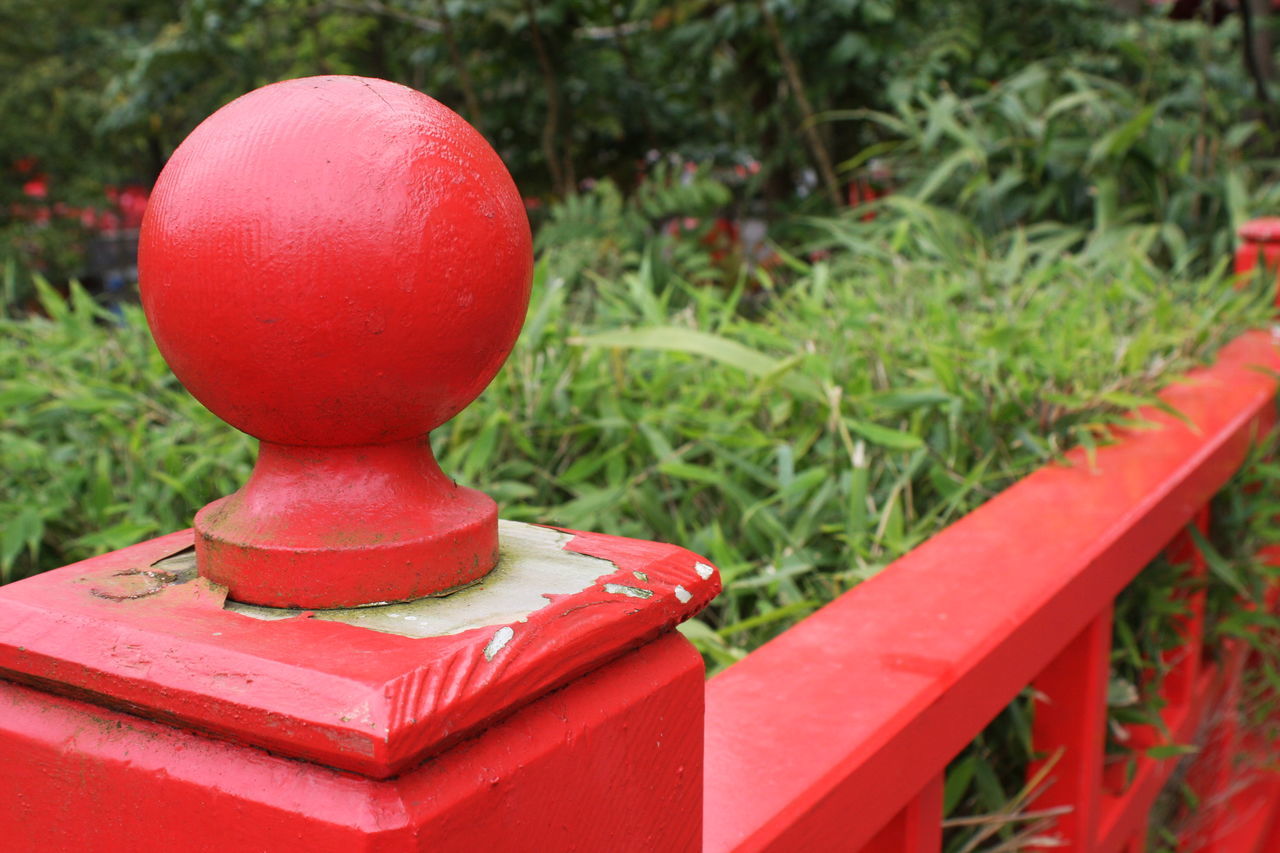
[(447, 553)]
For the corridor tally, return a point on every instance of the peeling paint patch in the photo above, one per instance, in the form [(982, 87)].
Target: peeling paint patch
[(704, 571), (132, 584), (632, 591), (501, 637), (683, 595), (641, 576), (533, 567)]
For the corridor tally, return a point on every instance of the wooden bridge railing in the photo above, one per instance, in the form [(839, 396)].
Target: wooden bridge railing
[(887, 684), (352, 653)]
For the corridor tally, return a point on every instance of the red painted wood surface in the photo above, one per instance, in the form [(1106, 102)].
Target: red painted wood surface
[(610, 763), (1259, 246), (1125, 812), (1070, 727), (336, 266), (344, 695), (915, 829), (886, 684), (1240, 816)]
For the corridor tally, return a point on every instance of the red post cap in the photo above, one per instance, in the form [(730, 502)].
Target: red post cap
[(1265, 229), (336, 266)]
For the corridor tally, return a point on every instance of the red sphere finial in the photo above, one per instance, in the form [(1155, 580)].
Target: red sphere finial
[(338, 265)]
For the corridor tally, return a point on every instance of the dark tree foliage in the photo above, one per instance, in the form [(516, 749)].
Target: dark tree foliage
[(569, 91)]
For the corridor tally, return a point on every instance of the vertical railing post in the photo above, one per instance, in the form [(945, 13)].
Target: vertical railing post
[(1069, 731), (1182, 677), (351, 652), (1259, 247), (915, 829)]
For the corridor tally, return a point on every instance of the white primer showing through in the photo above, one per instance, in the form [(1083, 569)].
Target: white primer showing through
[(501, 637), (704, 571), (532, 565), (629, 591)]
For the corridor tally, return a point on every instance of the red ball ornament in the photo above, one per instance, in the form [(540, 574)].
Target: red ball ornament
[(336, 266)]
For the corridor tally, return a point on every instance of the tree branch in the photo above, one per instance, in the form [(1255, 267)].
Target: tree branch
[(550, 127), (460, 68), (809, 127), (1251, 63)]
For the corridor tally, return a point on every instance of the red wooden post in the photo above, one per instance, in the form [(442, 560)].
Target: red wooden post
[(1070, 730), (1184, 662), (338, 265), (915, 829), (1259, 246)]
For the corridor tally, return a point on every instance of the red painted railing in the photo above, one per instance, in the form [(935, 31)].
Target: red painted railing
[(837, 734), (176, 695)]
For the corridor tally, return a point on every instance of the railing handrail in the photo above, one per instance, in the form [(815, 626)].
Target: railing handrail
[(859, 708)]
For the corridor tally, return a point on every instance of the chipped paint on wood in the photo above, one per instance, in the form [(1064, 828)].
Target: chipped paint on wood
[(632, 591), (532, 567), (310, 687), (683, 595), (132, 584), (704, 570), (613, 762), (501, 637)]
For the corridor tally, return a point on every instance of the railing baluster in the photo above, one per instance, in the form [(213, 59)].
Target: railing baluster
[(1070, 728), (1184, 662), (915, 829), (1215, 778)]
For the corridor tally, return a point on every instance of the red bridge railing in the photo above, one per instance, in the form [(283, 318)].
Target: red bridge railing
[(353, 653), (887, 684)]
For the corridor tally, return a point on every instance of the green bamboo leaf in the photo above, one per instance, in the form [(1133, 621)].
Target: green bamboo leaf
[(941, 173), (19, 394), (1218, 565), (1124, 400), (786, 612), (884, 436), (21, 530), (1117, 142), (1171, 750), (691, 341), (697, 473), (959, 775), (903, 401)]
